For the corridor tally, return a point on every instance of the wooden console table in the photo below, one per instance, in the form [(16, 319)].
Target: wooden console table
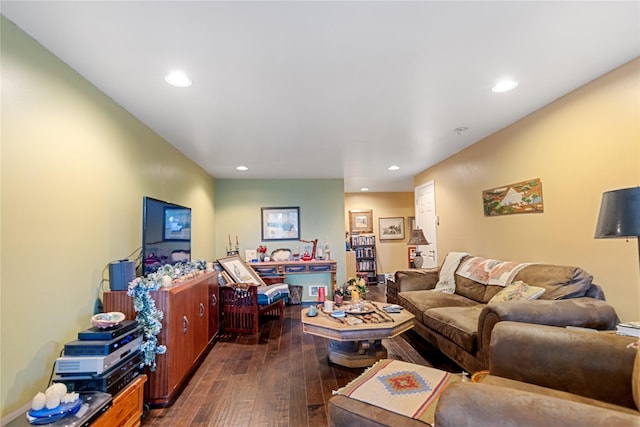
[(286, 268)]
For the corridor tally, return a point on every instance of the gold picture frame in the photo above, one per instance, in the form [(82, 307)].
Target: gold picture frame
[(239, 271), (361, 221)]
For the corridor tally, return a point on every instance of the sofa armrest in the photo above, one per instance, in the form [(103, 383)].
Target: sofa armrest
[(578, 312), (416, 279), (598, 365), (474, 405)]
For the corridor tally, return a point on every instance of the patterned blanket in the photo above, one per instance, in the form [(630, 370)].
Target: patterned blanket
[(271, 293), (404, 388), (490, 271)]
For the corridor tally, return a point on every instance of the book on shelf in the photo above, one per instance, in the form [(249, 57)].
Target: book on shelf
[(629, 328)]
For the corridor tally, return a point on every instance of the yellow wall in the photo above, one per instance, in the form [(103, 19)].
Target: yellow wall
[(581, 145), (75, 167), (391, 254)]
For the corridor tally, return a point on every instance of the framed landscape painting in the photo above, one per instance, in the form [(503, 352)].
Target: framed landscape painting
[(521, 197), (392, 228), (281, 223)]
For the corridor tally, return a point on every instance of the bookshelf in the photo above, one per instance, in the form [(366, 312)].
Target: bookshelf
[(364, 246)]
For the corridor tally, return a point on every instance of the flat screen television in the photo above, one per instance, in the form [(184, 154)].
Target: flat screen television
[(166, 234)]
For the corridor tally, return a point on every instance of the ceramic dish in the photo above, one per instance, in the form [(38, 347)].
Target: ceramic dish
[(107, 320), (352, 309), (48, 416), (338, 314), (281, 255)]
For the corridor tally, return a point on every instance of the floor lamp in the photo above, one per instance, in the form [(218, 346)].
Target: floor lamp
[(417, 239), (620, 215)]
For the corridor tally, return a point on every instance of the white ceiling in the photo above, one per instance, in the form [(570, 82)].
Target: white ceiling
[(332, 89)]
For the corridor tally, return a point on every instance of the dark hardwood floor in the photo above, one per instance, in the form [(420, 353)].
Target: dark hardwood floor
[(280, 377)]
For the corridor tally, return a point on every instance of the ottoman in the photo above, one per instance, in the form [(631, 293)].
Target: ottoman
[(390, 393)]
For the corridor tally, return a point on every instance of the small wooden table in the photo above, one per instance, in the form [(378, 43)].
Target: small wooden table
[(357, 346)]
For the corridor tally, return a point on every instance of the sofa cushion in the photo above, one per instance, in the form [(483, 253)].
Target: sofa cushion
[(560, 282), (417, 302), (458, 324), (518, 291)]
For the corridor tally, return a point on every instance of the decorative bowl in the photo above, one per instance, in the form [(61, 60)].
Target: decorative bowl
[(107, 320)]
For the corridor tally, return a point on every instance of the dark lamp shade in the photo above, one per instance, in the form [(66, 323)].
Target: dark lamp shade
[(619, 214), (417, 238)]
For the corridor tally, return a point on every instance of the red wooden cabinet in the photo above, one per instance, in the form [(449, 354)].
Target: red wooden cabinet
[(187, 309)]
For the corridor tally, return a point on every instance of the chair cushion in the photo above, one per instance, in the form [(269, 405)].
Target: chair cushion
[(271, 293)]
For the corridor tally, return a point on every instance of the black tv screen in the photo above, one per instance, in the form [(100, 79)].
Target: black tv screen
[(166, 234)]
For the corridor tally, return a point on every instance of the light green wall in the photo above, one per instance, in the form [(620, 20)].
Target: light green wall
[(75, 166), (321, 203)]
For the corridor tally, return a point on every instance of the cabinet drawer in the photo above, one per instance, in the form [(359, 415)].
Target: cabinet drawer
[(295, 268), (266, 270), (126, 409), (326, 267)]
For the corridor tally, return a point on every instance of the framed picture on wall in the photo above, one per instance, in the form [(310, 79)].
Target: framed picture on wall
[(280, 223), (361, 221), (412, 224), (392, 228)]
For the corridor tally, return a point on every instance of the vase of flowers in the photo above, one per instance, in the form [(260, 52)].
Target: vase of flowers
[(262, 252), (357, 287)]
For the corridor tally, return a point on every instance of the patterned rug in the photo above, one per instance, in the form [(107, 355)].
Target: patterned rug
[(404, 388)]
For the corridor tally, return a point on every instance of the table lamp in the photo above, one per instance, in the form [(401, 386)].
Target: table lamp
[(620, 214), (417, 239)]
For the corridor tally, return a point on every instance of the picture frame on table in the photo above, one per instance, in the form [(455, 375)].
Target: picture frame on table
[(361, 221), (280, 223), (239, 271), (392, 228)]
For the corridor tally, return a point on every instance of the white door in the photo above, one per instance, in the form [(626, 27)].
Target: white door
[(426, 219)]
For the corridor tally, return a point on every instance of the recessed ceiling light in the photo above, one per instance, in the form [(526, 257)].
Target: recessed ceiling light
[(364, 189), (242, 168), (178, 79), (504, 86), (394, 167)]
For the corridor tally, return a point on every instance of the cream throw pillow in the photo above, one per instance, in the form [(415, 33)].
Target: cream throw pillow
[(517, 291)]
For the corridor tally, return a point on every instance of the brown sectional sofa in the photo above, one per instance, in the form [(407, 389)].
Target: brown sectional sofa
[(539, 376), (460, 324), (546, 376)]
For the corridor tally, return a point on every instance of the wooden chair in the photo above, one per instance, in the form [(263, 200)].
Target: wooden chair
[(241, 312)]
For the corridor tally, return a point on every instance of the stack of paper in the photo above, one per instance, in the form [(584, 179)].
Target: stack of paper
[(629, 328)]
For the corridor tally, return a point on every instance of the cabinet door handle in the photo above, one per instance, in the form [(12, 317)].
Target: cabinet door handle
[(185, 324), (201, 310), (214, 300)]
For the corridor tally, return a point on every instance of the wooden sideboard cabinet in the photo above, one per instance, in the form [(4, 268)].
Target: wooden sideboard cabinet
[(188, 308), (126, 408)]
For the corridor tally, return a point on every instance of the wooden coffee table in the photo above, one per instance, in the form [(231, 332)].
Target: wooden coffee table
[(360, 345)]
